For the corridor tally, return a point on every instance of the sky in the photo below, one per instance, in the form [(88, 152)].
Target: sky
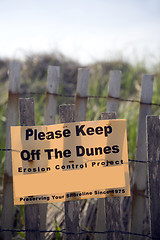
[(84, 30)]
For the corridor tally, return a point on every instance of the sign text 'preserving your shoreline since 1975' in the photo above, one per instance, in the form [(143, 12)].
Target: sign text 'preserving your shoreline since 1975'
[(70, 161)]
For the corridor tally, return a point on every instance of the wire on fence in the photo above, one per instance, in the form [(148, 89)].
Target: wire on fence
[(130, 160), (100, 97), (5, 150), (63, 231), (89, 96)]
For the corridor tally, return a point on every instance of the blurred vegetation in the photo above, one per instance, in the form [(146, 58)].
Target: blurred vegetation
[(33, 80)]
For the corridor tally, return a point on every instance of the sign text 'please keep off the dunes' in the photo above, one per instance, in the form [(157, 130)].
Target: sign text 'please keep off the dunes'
[(69, 161)]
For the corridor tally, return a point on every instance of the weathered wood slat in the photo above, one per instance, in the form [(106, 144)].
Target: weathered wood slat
[(153, 147), (32, 215), (51, 91), (12, 120), (101, 209), (103, 205), (139, 202), (55, 217), (81, 103), (113, 90), (112, 205), (81, 94), (72, 208), (50, 116)]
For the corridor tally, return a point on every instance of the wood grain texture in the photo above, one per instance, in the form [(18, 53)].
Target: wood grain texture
[(81, 94), (112, 205), (32, 215), (51, 97), (72, 208), (139, 189), (103, 205), (113, 90), (52, 87), (14, 77), (12, 120), (81, 105), (153, 147)]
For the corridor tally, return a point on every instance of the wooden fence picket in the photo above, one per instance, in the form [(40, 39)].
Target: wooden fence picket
[(104, 211), (72, 208), (51, 94), (153, 153), (53, 77), (103, 205), (113, 91), (139, 201), (32, 213), (112, 205), (12, 120), (81, 94)]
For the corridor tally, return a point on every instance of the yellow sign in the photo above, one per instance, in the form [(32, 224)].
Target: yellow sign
[(69, 161)]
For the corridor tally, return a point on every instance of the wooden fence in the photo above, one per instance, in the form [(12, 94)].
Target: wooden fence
[(135, 217)]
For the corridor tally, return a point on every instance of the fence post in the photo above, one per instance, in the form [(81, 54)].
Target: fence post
[(12, 120), (72, 208), (81, 94), (139, 202), (50, 116), (153, 147), (32, 216), (105, 213)]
